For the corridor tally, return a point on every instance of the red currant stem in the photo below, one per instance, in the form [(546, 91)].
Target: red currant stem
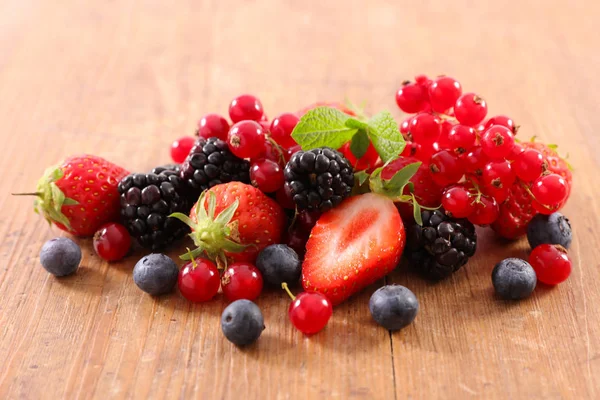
[(285, 287), (479, 193), (278, 148), (189, 252)]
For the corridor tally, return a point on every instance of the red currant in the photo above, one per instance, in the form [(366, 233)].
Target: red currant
[(443, 93), (497, 142), (424, 151), (245, 107), (515, 151), (281, 129), (366, 162), (445, 168), (462, 138), (112, 241), (551, 263), (266, 175), (213, 125), (470, 109), (457, 201), (309, 312), (241, 280), (181, 148), (411, 97), (474, 161), (410, 150), (425, 128), (502, 120), (291, 151), (423, 80), (199, 280), (246, 139), (529, 165), (550, 189), (405, 126), (486, 211), (272, 151)]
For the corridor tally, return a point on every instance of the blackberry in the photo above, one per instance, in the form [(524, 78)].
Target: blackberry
[(147, 200), (168, 169), (319, 179), (441, 246), (210, 163)]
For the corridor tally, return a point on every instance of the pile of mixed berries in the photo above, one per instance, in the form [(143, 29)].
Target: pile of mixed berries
[(326, 197)]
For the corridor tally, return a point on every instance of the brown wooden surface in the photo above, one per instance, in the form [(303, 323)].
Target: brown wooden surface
[(123, 78)]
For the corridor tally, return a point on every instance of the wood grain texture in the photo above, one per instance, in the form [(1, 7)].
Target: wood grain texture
[(123, 78)]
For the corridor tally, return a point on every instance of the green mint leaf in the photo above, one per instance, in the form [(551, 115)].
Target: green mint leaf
[(355, 123), (359, 144), (401, 178), (323, 126), (385, 136), (361, 177)]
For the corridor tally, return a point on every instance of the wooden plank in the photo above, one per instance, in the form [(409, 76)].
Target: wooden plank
[(123, 79)]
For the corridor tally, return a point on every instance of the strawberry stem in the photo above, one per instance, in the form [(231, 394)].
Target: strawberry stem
[(285, 287)]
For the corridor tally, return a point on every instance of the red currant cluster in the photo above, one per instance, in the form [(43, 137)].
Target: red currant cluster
[(478, 162), (267, 144)]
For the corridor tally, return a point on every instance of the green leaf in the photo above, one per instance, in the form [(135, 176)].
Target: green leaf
[(417, 211), (359, 144), (402, 177), (385, 136), (361, 177), (225, 216), (323, 126), (58, 197), (233, 247), (212, 204), (356, 123)]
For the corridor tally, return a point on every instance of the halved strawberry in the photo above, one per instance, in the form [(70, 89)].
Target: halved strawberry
[(352, 246)]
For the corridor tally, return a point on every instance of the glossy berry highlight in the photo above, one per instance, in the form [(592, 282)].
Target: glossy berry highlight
[(470, 109)]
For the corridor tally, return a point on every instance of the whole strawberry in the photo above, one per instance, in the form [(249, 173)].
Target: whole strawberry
[(80, 195), (233, 222)]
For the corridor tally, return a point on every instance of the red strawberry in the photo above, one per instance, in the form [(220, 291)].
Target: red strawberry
[(234, 221), (352, 246), (332, 104), (520, 207), (80, 195)]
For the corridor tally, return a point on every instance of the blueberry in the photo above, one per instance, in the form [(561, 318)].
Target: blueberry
[(513, 279), (242, 322), (549, 229), (278, 263), (60, 256), (155, 274), (393, 307)]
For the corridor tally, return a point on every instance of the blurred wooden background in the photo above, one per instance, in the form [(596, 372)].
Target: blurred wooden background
[(122, 79)]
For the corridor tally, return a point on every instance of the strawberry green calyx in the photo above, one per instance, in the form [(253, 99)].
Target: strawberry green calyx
[(50, 199), (213, 236)]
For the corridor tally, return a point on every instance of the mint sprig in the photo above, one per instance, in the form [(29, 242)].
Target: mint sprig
[(326, 126)]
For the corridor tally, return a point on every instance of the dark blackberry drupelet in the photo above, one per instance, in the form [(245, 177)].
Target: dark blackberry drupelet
[(147, 200), (210, 163), (441, 246), (319, 179), (169, 169)]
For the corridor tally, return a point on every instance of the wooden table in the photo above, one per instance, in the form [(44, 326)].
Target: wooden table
[(122, 79)]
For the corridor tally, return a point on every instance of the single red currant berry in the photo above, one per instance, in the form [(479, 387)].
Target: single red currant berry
[(366, 162), (112, 241), (291, 151), (551, 263), (245, 107), (405, 126), (474, 161), (515, 151), (266, 175), (470, 109), (284, 198), (486, 211), (425, 128), (445, 168), (309, 312), (213, 125), (529, 165), (457, 201), (497, 142), (502, 120), (550, 189), (306, 220), (411, 97), (497, 178), (181, 148), (281, 129), (443, 93), (246, 139), (410, 150), (241, 280), (462, 138), (199, 280)]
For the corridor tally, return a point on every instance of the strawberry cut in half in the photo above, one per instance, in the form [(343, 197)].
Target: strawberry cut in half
[(352, 246)]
